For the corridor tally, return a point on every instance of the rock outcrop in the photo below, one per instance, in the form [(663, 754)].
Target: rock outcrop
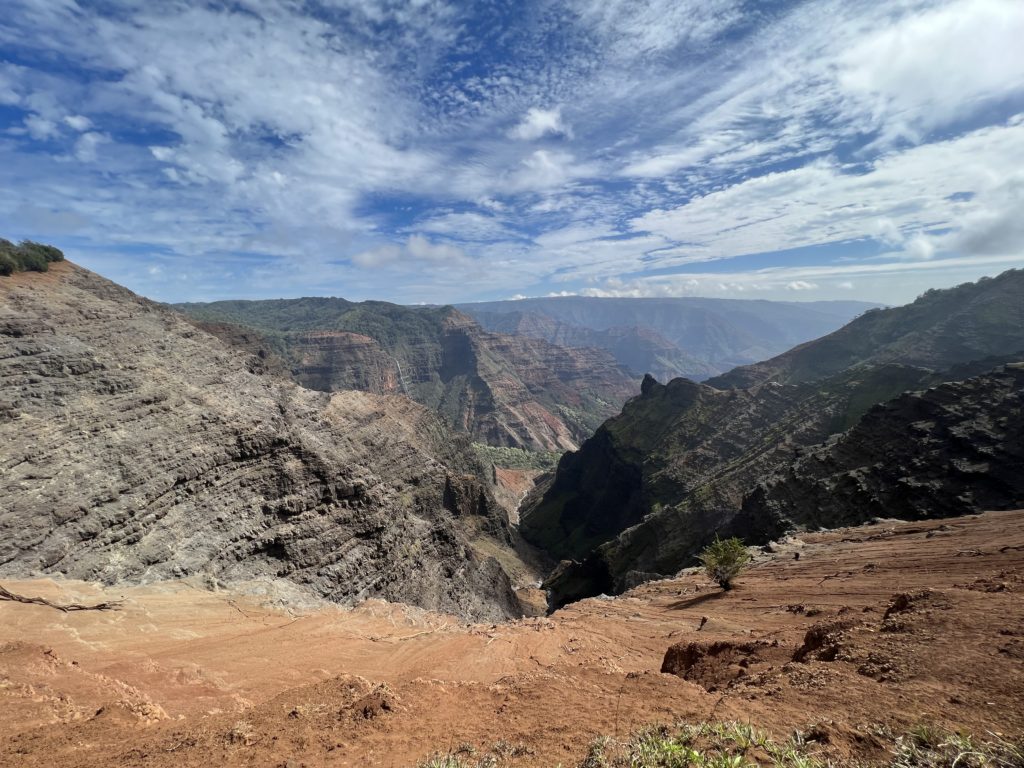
[(134, 446), (952, 450), (501, 390)]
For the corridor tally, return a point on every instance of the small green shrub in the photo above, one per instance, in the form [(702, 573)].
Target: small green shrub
[(723, 560)]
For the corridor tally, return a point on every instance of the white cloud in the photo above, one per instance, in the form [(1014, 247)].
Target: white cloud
[(421, 248), (541, 122), (416, 251), (640, 27), (545, 169), (87, 145), (896, 199), (993, 223), (467, 226), (78, 122), (8, 84), (377, 257), (300, 138), (41, 129), (929, 68), (894, 282), (920, 247)]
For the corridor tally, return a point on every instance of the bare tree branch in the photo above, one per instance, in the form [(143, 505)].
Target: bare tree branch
[(5, 594)]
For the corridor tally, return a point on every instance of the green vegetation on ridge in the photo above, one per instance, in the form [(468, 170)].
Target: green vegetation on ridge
[(27, 256), (517, 458), (698, 450)]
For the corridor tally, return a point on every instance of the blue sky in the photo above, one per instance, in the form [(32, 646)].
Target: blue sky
[(432, 151)]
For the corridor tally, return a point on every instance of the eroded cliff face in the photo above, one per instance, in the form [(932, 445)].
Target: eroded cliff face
[(330, 361), (654, 484), (685, 439), (502, 390), (640, 349), (669, 337), (948, 451), (134, 446), (535, 394)]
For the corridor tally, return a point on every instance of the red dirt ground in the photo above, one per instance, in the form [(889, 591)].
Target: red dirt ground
[(894, 624)]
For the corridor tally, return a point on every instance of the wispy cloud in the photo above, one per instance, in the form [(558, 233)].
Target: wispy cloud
[(441, 151)]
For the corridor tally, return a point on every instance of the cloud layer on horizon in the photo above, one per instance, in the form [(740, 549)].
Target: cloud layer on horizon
[(438, 151)]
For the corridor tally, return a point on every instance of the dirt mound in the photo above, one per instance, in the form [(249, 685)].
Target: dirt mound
[(824, 641), (719, 664)]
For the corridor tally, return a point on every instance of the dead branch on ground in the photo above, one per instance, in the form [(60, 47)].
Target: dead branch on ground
[(6, 594)]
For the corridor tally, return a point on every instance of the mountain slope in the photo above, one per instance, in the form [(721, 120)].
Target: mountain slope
[(945, 452), (502, 390), (939, 330), (135, 447), (675, 466), (703, 336)]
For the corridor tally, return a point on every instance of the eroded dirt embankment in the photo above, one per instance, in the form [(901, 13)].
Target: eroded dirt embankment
[(892, 625)]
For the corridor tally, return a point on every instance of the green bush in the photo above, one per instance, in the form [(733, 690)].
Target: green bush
[(27, 256), (723, 560)]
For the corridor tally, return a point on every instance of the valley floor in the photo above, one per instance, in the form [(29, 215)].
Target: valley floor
[(914, 623)]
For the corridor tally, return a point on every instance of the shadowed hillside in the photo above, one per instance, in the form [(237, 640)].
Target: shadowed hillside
[(655, 483), (939, 330)]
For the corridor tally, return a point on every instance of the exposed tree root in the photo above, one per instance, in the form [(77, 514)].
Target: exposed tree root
[(5, 594)]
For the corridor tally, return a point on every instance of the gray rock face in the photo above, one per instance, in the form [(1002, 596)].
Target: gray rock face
[(948, 451), (134, 446)]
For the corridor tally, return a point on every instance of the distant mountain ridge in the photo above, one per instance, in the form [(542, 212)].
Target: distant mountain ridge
[(668, 337), (655, 483), (939, 330), (502, 390)]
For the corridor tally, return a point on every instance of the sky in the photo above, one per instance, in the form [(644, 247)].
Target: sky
[(433, 151)]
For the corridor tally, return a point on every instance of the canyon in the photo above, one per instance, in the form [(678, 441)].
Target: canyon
[(501, 390), (691, 337), (264, 573)]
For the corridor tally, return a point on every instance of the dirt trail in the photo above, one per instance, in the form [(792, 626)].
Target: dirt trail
[(911, 622)]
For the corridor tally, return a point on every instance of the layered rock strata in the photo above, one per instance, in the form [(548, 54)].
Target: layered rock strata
[(134, 446)]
